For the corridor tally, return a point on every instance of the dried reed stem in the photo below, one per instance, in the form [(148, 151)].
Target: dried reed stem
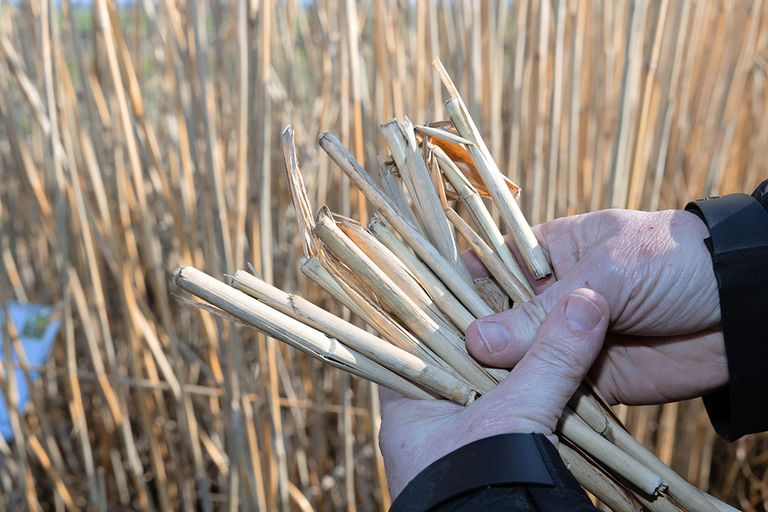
[(425, 250), (442, 296), (367, 311), (397, 360), (290, 331), (481, 217), (508, 281), (493, 179), (416, 177), (441, 340), (596, 482)]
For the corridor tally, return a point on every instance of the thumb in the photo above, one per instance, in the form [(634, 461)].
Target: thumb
[(540, 385), (501, 340)]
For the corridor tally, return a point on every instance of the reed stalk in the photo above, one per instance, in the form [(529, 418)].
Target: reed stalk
[(440, 339), (290, 331), (508, 281), (439, 265), (492, 177), (397, 360), (434, 287), (470, 198), (416, 177)]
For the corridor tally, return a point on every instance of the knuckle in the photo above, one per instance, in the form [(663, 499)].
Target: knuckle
[(534, 312), (567, 357)]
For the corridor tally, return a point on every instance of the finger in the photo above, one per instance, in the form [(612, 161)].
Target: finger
[(544, 380), (502, 339)]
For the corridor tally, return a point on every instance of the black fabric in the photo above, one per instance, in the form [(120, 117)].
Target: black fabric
[(738, 243), (512, 472), (761, 194)]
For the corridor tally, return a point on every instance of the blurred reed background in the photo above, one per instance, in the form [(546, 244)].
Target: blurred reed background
[(136, 136)]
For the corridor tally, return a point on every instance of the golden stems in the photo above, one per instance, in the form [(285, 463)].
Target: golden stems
[(384, 353), (440, 339), (291, 331), (426, 251), (509, 283)]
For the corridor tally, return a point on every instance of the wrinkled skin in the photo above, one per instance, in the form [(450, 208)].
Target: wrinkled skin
[(415, 433), (656, 274)]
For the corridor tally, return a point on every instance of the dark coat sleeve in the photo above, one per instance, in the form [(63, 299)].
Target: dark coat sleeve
[(738, 243), (509, 472)]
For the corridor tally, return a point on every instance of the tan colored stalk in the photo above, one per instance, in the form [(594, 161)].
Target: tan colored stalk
[(443, 342), (606, 425), (425, 250), (442, 296), (617, 461), (511, 214), (380, 351), (596, 482), (508, 282), (630, 93), (313, 269), (441, 134), (392, 184), (639, 167), (416, 177), (482, 218), (369, 312), (387, 261), (298, 192), (284, 328), (493, 178)]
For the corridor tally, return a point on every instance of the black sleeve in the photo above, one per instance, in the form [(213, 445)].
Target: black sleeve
[(512, 472), (738, 243)]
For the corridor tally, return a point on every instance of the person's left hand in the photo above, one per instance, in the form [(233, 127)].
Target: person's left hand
[(416, 433)]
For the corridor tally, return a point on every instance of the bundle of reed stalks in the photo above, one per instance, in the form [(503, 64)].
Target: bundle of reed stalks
[(403, 277)]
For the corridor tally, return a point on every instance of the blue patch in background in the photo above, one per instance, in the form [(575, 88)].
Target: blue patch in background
[(37, 330)]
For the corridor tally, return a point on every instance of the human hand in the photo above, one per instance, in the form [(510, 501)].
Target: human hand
[(656, 274), (416, 433)]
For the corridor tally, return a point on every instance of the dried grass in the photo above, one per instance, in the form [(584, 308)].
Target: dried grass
[(151, 140)]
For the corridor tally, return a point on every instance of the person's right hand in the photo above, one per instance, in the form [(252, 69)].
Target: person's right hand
[(656, 274)]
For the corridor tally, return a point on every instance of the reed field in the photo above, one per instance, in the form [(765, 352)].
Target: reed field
[(137, 137)]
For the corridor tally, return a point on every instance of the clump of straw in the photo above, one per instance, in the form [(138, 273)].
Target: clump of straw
[(402, 276)]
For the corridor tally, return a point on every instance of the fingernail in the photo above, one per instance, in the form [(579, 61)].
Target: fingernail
[(582, 313), (494, 335)]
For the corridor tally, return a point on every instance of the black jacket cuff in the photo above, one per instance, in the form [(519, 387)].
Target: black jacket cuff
[(520, 472), (738, 243)]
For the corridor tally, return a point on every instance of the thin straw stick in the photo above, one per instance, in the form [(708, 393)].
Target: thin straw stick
[(397, 360), (482, 218), (375, 317), (431, 283), (510, 211), (395, 269), (431, 256), (392, 183), (509, 283), (617, 461), (606, 425), (493, 179), (443, 342), (284, 328), (596, 482), (405, 151)]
